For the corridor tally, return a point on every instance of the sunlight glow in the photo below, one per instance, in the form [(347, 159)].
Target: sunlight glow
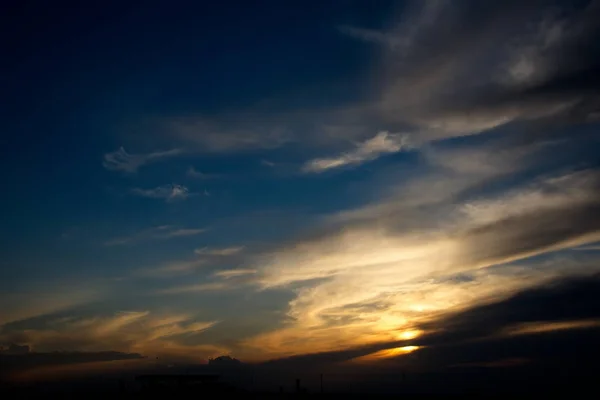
[(420, 307), (411, 334), (387, 353), (396, 351)]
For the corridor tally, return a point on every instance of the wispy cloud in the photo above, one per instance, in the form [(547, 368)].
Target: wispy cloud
[(223, 251), (267, 163), (203, 257), (193, 173), (417, 17), (445, 77), (179, 267), (549, 326), (121, 160), (535, 78), (201, 287), (427, 250), (236, 133), (371, 149), (587, 248), (506, 218), (183, 232), (47, 298), (233, 273), (156, 233), (132, 331), (169, 193), (371, 35)]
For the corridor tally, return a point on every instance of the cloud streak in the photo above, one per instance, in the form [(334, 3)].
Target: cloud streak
[(536, 78), (425, 251), (45, 299), (174, 268), (196, 288), (223, 251), (163, 232), (371, 149), (193, 173), (234, 273), (121, 160), (169, 193), (129, 331), (243, 132), (371, 35)]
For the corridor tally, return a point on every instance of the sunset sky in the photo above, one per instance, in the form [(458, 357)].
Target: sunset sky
[(280, 178)]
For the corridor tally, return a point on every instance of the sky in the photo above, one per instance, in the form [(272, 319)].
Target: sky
[(275, 180)]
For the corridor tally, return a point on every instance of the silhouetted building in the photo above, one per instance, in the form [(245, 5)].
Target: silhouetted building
[(224, 360)]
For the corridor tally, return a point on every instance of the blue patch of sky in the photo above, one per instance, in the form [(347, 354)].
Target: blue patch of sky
[(83, 77)]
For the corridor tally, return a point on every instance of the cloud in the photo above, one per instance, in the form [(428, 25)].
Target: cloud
[(420, 16), (183, 232), (457, 350), (230, 279), (426, 250), (120, 160), (516, 217), (224, 251), (371, 273), (233, 273), (371, 35), (267, 163), (46, 298), (201, 287), (162, 232), (381, 144), (241, 132), (24, 367), (263, 129), (542, 327), (469, 69), (140, 332), (205, 256), (174, 268), (587, 248), (169, 193), (536, 310), (192, 173), (448, 69)]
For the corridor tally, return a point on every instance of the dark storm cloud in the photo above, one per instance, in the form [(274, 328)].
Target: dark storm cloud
[(558, 301), (471, 349), (562, 361)]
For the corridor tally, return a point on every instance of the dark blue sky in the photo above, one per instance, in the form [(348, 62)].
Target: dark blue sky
[(79, 78)]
